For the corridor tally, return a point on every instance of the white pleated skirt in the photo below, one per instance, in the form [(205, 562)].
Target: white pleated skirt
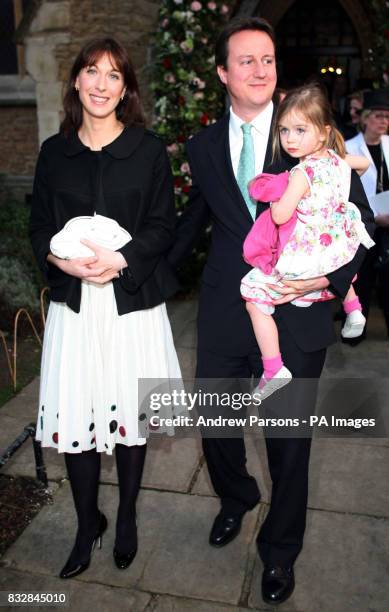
[(91, 364)]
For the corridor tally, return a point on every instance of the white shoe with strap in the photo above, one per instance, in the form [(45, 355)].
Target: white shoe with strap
[(354, 325), (266, 386)]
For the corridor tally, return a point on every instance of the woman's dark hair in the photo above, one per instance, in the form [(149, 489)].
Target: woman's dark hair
[(239, 24), (129, 110)]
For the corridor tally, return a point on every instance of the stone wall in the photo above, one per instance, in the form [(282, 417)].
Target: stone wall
[(61, 27)]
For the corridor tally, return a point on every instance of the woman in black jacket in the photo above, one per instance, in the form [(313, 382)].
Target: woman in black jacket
[(107, 325)]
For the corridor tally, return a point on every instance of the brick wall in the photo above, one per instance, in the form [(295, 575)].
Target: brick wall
[(18, 140)]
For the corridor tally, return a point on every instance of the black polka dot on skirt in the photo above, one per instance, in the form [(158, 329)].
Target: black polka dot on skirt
[(142, 416), (93, 440), (43, 408), (75, 444), (113, 407), (91, 427), (41, 420), (113, 426), (106, 445)]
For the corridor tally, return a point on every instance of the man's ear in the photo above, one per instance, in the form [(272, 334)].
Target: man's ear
[(222, 73)]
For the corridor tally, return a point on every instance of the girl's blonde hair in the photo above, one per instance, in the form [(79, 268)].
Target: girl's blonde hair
[(312, 102)]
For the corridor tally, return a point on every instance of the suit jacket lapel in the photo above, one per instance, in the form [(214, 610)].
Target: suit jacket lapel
[(219, 151)]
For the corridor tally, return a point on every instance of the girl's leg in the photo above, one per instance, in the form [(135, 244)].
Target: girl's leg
[(275, 375), (265, 331), (129, 462), (84, 472)]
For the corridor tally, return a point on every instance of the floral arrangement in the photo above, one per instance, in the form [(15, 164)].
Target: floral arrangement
[(187, 93)]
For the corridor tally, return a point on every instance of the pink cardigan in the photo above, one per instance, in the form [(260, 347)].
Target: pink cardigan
[(265, 241)]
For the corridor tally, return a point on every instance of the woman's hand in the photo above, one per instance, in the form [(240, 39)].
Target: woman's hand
[(78, 267), (382, 220), (107, 263), (295, 289)]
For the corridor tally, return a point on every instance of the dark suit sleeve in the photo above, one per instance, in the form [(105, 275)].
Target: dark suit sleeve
[(340, 280), (153, 239), (191, 222)]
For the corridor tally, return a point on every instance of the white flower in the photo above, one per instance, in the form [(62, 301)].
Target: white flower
[(212, 6), (224, 9), (185, 168), (198, 95)]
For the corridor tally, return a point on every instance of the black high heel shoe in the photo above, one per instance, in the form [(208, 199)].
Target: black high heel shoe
[(124, 560), (73, 568)]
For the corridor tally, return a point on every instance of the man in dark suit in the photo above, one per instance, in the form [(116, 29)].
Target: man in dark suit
[(245, 60)]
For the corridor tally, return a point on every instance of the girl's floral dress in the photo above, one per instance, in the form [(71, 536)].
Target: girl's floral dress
[(327, 234)]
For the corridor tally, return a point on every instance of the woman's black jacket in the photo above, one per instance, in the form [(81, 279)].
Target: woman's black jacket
[(130, 181)]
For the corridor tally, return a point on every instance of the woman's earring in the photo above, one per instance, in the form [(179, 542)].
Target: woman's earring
[(76, 88)]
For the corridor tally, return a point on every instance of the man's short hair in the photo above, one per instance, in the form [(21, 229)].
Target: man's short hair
[(239, 24)]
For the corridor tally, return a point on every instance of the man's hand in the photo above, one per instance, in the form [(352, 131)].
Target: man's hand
[(295, 289), (382, 220)]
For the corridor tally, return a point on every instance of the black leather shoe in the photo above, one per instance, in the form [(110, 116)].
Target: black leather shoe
[(73, 567), (277, 584), (224, 529), (122, 561)]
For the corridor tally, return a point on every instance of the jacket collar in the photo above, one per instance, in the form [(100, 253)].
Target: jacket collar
[(120, 148)]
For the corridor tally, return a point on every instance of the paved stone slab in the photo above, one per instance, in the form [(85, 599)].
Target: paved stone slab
[(174, 556), (343, 566), (181, 314), (80, 596), (349, 477), (175, 604), (24, 405), (183, 563)]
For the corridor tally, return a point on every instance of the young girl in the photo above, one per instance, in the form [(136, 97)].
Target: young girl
[(319, 230)]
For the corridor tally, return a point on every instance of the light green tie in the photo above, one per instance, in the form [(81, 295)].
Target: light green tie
[(246, 168)]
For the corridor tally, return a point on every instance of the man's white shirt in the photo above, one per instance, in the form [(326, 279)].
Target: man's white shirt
[(260, 133)]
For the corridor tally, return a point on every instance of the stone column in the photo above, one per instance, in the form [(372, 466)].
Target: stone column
[(49, 28)]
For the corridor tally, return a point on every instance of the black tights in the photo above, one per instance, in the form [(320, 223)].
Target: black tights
[(84, 472)]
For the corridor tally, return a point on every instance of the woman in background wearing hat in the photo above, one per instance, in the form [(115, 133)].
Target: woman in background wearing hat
[(373, 143)]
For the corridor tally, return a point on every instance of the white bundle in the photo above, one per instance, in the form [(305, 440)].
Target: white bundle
[(102, 230)]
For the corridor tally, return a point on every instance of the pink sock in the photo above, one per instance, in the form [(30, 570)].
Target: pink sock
[(352, 305), (272, 365)]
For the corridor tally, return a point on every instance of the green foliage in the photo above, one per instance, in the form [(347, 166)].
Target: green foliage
[(19, 276), (188, 95)]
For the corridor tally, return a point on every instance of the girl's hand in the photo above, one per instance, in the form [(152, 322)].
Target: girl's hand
[(298, 288), (107, 265)]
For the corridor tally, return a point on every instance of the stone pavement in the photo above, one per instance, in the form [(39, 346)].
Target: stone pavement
[(343, 567)]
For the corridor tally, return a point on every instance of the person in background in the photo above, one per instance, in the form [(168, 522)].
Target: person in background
[(373, 143), (355, 107)]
